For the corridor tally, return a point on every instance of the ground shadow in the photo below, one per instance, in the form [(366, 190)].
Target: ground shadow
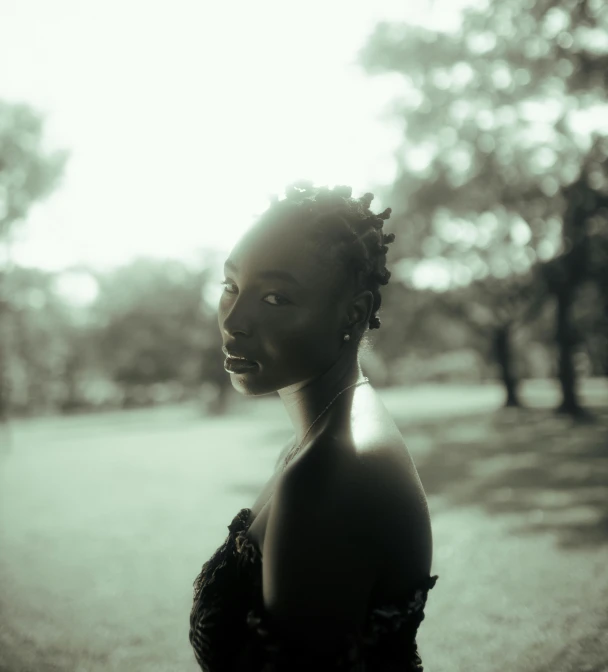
[(551, 471)]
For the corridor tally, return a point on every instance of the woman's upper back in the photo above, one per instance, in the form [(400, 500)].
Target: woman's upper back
[(397, 521)]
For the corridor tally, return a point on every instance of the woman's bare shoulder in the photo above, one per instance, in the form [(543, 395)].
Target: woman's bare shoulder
[(283, 453)]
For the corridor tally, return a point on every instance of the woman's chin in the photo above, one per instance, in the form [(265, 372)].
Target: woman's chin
[(249, 386)]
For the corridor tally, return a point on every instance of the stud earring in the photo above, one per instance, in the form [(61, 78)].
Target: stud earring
[(347, 337)]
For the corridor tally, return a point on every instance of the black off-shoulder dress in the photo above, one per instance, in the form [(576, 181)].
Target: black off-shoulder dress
[(230, 631)]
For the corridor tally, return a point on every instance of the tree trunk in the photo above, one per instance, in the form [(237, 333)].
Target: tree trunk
[(504, 356), (5, 430), (4, 387), (566, 343), (4, 379)]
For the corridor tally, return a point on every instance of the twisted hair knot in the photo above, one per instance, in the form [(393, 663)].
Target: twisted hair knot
[(347, 224)]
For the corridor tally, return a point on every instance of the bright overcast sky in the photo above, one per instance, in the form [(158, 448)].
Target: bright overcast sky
[(182, 116)]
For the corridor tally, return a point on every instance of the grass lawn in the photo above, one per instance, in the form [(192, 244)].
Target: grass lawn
[(105, 520)]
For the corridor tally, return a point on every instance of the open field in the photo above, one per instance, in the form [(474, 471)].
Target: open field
[(105, 521)]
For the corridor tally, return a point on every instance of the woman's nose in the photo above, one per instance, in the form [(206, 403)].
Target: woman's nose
[(235, 319)]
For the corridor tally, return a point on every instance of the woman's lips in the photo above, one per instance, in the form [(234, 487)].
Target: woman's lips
[(237, 365)]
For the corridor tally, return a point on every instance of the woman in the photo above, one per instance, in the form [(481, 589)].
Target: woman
[(330, 567)]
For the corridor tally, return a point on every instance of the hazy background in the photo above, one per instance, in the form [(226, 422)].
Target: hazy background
[(138, 141)]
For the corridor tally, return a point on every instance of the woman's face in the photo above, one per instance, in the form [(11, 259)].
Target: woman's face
[(283, 307)]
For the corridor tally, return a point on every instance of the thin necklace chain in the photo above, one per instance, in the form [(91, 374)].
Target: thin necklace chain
[(292, 455)]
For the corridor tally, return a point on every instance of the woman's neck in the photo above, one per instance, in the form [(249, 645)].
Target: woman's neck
[(305, 401)]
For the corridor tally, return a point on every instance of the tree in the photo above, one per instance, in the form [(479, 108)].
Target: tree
[(585, 227), (28, 173), (493, 311), (491, 155), (152, 327), (37, 339)]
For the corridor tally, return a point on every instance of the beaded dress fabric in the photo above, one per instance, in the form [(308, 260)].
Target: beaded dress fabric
[(230, 631)]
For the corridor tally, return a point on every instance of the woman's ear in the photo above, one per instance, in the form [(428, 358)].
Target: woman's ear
[(360, 310)]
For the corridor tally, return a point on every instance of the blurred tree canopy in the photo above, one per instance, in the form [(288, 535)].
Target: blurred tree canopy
[(495, 181), (154, 327), (147, 337), (28, 173)]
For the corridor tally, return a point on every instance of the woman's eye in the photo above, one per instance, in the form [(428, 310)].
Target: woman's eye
[(278, 300), (281, 301)]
